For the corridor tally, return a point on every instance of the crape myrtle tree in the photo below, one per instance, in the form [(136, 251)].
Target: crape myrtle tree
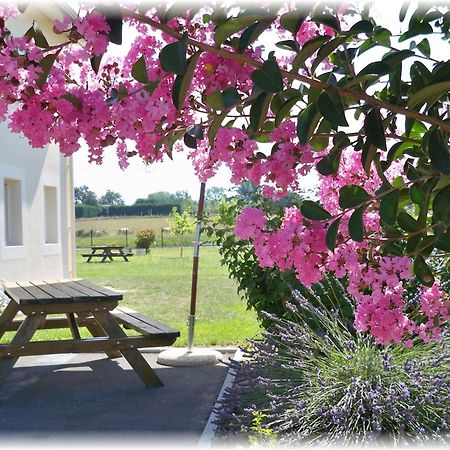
[(273, 91)]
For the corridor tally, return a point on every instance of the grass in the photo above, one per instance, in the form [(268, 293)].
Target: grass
[(106, 231), (159, 285)]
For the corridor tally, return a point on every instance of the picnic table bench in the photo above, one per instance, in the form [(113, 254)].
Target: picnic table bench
[(107, 252), (83, 304)]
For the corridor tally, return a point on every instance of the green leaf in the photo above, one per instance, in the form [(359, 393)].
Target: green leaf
[(429, 94), (407, 222), (190, 141), (416, 194), (74, 100), (325, 51), (329, 20), (235, 24), (292, 20), (441, 205), (442, 242), (424, 47), (180, 89), (139, 71), (253, 32), (352, 195), (423, 272), (382, 36), (46, 64), (151, 86), (329, 164), (331, 107), (363, 26), (412, 244), (389, 207), (214, 127), (95, 63), (288, 45), (308, 49), (395, 58), (230, 97), (306, 123), (196, 131), (376, 68), (285, 109), (258, 111), (392, 249), (268, 78), (330, 237), (368, 154), (356, 226), (439, 151), (314, 211), (173, 57), (373, 126), (39, 39), (215, 101)]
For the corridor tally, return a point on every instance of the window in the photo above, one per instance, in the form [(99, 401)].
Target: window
[(51, 214), (13, 212)]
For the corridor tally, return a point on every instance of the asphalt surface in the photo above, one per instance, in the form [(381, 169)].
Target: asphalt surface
[(87, 396)]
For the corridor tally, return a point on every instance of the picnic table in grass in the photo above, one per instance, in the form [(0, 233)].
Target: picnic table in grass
[(107, 252), (78, 303)]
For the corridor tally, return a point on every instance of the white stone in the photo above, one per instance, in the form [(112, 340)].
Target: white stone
[(181, 357)]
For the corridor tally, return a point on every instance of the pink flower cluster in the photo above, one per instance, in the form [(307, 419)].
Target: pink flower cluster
[(377, 282), (278, 172)]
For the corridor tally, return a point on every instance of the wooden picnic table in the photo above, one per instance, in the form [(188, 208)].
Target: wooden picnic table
[(107, 252), (77, 303)]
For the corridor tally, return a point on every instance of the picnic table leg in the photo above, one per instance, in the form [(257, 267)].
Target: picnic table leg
[(97, 331), (134, 358), (8, 316), (73, 326), (23, 336)]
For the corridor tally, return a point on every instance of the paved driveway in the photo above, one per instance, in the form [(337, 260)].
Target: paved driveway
[(90, 396)]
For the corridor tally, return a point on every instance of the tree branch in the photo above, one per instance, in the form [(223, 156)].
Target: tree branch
[(289, 75)]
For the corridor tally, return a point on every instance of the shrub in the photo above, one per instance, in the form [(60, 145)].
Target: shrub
[(145, 238), (336, 386), (265, 288)]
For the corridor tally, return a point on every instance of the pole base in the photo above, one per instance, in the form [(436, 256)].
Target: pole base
[(181, 357)]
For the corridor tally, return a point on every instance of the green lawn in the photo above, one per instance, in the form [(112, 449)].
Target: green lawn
[(159, 284)]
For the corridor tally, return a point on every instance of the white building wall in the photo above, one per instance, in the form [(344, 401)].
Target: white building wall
[(38, 250)]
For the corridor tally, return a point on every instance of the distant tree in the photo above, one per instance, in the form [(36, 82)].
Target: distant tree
[(181, 224), (187, 203), (85, 196), (213, 197), (112, 198), (158, 198)]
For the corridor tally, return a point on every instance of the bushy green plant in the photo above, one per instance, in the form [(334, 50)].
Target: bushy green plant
[(336, 386), (145, 238), (264, 288)]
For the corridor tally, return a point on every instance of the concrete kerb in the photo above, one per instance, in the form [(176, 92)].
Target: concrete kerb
[(209, 432)]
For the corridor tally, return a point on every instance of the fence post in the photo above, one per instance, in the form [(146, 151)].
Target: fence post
[(126, 237), (162, 237), (92, 237)]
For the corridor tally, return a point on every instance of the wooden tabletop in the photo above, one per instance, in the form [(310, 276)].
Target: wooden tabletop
[(58, 292), (100, 247)]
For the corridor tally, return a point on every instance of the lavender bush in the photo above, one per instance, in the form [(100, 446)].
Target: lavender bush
[(332, 385)]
